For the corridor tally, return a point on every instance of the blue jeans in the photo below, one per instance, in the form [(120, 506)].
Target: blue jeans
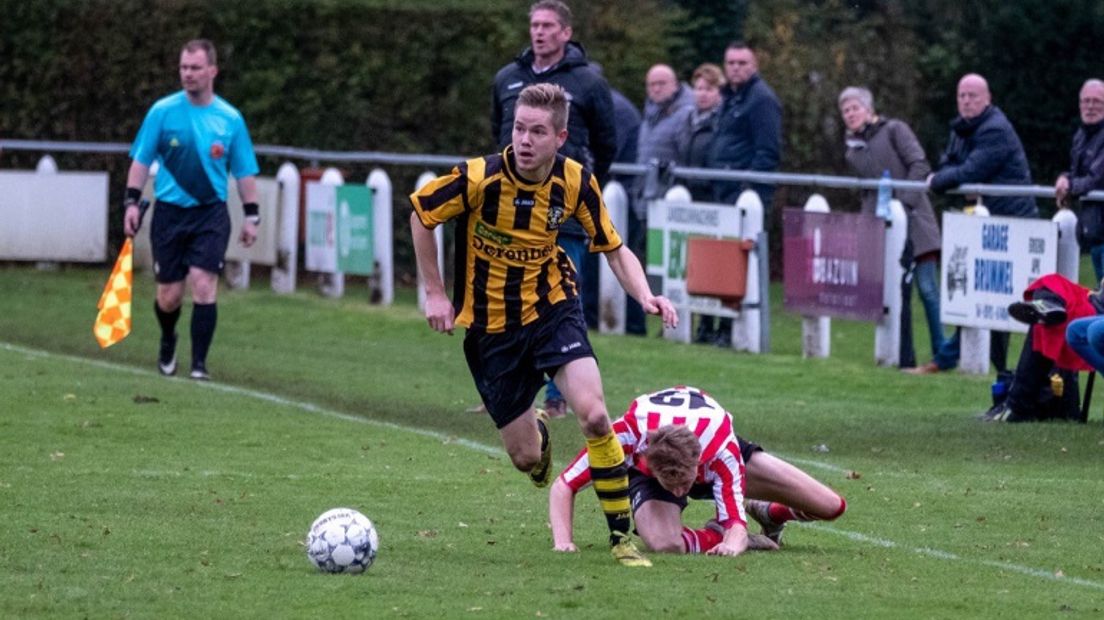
[(926, 275), (1096, 253), (576, 250), (1086, 336)]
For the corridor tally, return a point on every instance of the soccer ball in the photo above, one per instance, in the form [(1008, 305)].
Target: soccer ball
[(342, 540)]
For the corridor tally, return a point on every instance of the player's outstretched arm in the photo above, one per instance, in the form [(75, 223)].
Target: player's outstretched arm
[(561, 513), (438, 309), (630, 274)]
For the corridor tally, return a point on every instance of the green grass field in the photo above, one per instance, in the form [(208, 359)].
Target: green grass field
[(127, 495)]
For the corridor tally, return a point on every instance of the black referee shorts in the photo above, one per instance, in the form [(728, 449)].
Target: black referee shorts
[(183, 237)]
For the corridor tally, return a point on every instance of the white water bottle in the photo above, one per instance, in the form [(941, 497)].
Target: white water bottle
[(885, 194)]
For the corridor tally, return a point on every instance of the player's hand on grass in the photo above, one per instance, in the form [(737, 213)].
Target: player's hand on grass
[(725, 548), (568, 547), (439, 312), (660, 305)]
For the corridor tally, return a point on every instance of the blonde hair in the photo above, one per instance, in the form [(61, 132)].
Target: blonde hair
[(545, 96), (709, 72), (673, 452)]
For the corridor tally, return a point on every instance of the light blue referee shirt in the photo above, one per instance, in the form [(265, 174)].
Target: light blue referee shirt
[(195, 146)]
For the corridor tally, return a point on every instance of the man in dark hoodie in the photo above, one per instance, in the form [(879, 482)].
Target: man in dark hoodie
[(983, 148), (591, 135)]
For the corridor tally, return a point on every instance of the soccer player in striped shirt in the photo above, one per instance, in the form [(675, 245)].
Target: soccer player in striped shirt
[(679, 443), (515, 292)]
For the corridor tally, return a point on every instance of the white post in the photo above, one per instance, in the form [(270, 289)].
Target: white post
[(287, 239), (333, 285), (974, 342), (611, 297), (746, 329), (235, 272), (682, 333), (816, 331), (383, 241), (887, 331), (1069, 252), (46, 165), (439, 235)]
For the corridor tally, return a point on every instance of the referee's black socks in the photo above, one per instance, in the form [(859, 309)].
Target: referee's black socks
[(204, 318)]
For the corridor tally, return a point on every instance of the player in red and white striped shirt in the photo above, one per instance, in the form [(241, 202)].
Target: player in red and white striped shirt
[(679, 443)]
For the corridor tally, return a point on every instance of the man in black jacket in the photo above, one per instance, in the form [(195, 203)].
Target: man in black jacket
[(591, 134), (749, 128), (983, 148), (1086, 173)]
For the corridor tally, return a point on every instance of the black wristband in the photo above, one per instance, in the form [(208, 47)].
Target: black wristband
[(251, 209), (132, 196)]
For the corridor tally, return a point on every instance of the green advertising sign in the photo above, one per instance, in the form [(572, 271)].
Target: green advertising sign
[(355, 253)]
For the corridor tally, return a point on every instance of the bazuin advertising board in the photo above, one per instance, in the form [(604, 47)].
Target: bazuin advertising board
[(834, 264), (987, 264)]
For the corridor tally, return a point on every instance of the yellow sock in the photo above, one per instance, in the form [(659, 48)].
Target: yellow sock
[(611, 483)]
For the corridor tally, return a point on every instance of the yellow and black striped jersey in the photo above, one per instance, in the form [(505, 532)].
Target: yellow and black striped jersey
[(508, 268)]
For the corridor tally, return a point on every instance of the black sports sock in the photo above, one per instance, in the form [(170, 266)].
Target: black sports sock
[(204, 318), (167, 320)]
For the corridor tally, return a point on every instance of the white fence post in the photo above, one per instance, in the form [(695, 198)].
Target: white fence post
[(682, 333), (611, 297), (333, 284), (887, 331), (439, 235), (1069, 252), (747, 332), (973, 341), (383, 243), (287, 240), (235, 272), (816, 331), (46, 165)]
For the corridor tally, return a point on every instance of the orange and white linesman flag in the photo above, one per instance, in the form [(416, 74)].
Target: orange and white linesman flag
[(113, 321)]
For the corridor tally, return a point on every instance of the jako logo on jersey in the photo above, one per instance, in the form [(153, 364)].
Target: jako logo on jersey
[(174, 142), (491, 234), (217, 150), (573, 345), (523, 255), (555, 216)]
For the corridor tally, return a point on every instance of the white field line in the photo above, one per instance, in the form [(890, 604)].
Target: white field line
[(493, 450)]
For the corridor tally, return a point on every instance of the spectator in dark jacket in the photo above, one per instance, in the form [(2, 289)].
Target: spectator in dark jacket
[(1086, 173), (696, 137), (749, 129), (983, 148)]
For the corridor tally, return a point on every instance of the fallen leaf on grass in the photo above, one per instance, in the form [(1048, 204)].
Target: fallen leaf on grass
[(427, 533), (57, 456), (853, 475), (141, 399)]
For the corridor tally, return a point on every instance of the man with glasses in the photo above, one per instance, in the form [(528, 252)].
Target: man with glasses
[(1086, 173)]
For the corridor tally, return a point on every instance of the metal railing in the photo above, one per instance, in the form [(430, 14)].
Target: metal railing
[(680, 172)]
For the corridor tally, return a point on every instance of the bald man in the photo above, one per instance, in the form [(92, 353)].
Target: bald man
[(983, 148), (666, 109), (1086, 173)]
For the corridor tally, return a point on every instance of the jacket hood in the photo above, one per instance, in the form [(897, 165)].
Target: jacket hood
[(574, 56)]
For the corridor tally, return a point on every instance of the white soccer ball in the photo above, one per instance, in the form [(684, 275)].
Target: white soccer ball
[(342, 540)]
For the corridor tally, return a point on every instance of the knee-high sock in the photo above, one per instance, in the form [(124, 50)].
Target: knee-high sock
[(611, 482), (780, 513), (700, 541), (204, 319), (167, 320)]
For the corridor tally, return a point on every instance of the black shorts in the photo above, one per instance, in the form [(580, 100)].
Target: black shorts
[(643, 488), (509, 368), (183, 237)]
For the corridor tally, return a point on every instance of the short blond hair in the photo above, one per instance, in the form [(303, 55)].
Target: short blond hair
[(545, 96), (709, 72), (673, 452)]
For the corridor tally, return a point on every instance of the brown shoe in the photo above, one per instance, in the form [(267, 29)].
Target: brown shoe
[(927, 369)]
